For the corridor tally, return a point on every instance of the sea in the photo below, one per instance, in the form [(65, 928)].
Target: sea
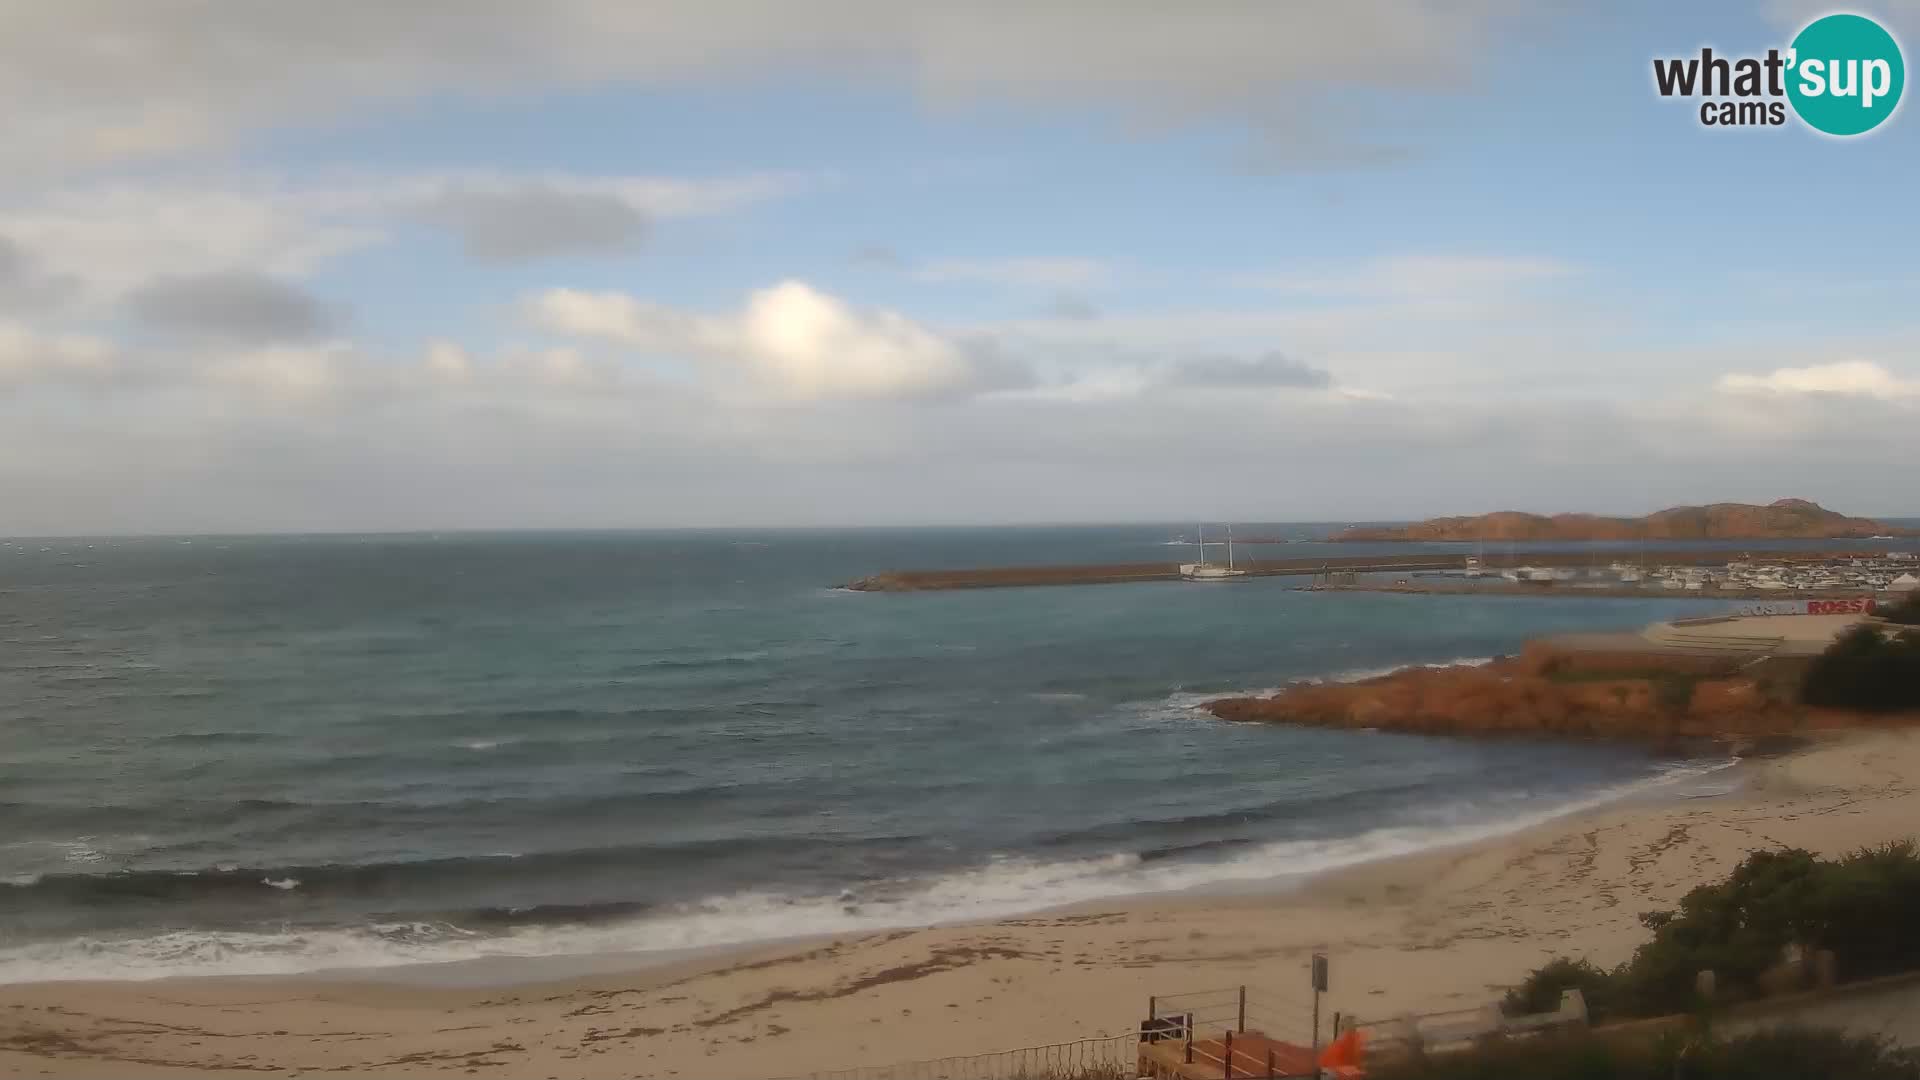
[(259, 755)]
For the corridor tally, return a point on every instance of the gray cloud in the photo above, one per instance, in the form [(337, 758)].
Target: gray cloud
[(1272, 369), (537, 220), (24, 284), (1069, 305), (236, 307), (878, 255), (175, 87)]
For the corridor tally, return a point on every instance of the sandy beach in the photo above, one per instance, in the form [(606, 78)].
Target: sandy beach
[(1441, 930)]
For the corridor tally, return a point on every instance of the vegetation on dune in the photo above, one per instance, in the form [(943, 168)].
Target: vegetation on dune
[(1860, 907), (1906, 612), (1780, 1054), (1866, 669)]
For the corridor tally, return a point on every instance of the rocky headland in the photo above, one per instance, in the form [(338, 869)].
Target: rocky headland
[(1550, 690)]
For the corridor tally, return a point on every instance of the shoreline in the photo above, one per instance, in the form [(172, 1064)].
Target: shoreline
[(1271, 867), (1432, 930)]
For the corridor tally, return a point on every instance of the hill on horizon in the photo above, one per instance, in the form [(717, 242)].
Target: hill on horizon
[(1783, 519)]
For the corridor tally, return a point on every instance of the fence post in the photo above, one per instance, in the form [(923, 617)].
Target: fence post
[(1242, 1026), (1270, 1072), (1153, 1006), (1189, 1026), (1227, 1055)]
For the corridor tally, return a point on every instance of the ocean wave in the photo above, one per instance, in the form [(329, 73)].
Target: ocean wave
[(1001, 888), (1186, 703), (375, 882)]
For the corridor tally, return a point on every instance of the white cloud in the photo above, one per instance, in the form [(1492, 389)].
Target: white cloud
[(790, 336), (29, 358), (112, 238), (336, 436), (1030, 273), (83, 84), (282, 371), (1848, 378)]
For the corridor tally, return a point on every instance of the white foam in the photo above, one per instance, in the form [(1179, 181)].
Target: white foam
[(1189, 703), (1001, 888), (1363, 674)]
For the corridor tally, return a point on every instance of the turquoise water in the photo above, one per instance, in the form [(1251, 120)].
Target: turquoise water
[(284, 754)]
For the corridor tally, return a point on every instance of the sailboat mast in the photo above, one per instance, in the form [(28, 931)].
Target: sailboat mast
[(1229, 547), (1200, 535)]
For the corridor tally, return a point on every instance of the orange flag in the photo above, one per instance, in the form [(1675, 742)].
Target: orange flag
[(1344, 1052)]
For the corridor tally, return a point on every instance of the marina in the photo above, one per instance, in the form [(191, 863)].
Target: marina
[(1714, 572)]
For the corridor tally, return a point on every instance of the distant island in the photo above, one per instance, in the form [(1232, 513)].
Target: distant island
[(1787, 519)]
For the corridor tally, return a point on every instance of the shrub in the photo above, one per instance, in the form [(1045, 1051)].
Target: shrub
[(1866, 669), (1906, 612), (1541, 992)]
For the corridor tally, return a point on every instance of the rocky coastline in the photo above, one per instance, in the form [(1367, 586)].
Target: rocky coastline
[(1667, 700)]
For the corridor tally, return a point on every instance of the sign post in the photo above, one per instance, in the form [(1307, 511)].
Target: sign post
[(1319, 987)]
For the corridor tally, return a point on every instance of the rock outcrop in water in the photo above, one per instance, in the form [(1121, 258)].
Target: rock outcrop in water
[(1787, 519), (1552, 691)]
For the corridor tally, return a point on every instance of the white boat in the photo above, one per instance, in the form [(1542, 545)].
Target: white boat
[(1206, 571)]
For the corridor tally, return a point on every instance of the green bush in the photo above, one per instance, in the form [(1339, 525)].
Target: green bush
[(1861, 907), (1779, 1054), (1866, 669)]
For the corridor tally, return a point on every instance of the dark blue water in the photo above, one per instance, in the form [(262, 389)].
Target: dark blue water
[(274, 754)]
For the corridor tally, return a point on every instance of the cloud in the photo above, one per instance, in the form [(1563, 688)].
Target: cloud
[(790, 336), (1900, 16), (109, 239), (31, 359), (1419, 276), (1850, 378), (1070, 305), (1031, 273), (877, 255), (24, 285), (233, 306), (535, 221), (123, 79), (1268, 370), (502, 217), (334, 436), (97, 242)]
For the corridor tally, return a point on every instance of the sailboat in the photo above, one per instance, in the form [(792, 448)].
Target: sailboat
[(1206, 571)]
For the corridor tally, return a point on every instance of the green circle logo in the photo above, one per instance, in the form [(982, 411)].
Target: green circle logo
[(1845, 74)]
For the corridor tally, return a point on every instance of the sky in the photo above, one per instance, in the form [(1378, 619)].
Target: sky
[(463, 264)]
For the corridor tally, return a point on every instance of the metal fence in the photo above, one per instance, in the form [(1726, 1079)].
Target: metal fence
[(1110, 1057), (1277, 1014), (1236, 1030)]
